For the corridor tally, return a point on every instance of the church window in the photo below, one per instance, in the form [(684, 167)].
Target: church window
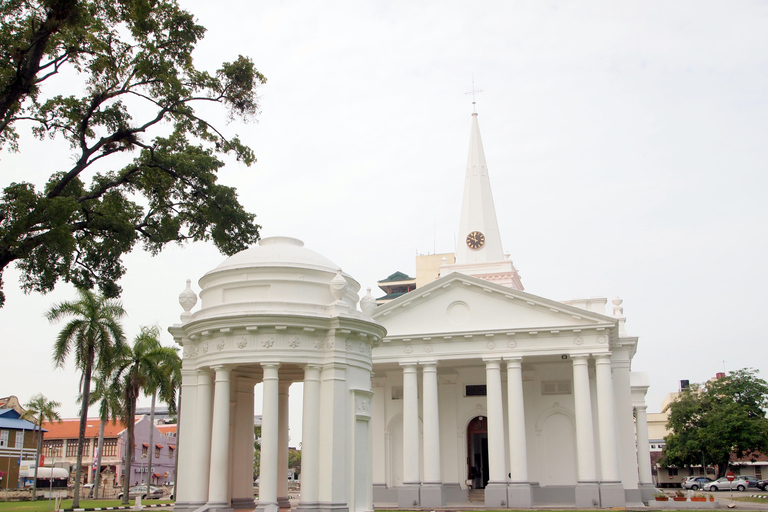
[(475, 390), (556, 387)]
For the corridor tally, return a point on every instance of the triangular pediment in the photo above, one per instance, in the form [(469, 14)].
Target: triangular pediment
[(458, 303)]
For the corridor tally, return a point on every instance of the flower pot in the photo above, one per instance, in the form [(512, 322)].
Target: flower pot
[(712, 499), (698, 499), (659, 498), (679, 498)]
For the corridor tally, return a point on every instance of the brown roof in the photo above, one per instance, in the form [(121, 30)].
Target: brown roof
[(70, 428), (167, 428)]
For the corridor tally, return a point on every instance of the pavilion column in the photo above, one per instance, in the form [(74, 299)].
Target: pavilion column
[(587, 492), (242, 448), (282, 445), (496, 490), (431, 491), (409, 495), (204, 426), (611, 490), (218, 490), (310, 454), (643, 447), (519, 490), (269, 440), (189, 459)]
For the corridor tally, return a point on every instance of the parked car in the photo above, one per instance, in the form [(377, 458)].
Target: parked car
[(722, 484), (695, 482), (763, 485), (141, 490), (751, 479), (87, 491)]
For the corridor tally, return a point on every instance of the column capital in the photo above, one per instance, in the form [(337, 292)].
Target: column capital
[(579, 359), (643, 407), (270, 365), (428, 363), (492, 362), (409, 367), (514, 362), (602, 358)]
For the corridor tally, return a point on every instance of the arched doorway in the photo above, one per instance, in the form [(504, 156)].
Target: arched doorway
[(477, 452)]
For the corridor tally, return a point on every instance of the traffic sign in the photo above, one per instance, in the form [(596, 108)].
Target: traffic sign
[(730, 476)]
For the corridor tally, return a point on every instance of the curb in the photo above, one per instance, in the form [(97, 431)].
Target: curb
[(125, 507)]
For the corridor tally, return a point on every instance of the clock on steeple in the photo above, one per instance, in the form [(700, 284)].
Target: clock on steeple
[(475, 240)]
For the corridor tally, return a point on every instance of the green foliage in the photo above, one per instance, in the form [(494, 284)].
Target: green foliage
[(714, 420), (256, 450), (92, 335), (294, 460), (143, 164), (40, 410), (147, 367)]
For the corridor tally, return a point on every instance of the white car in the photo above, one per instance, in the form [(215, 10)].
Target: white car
[(722, 484)]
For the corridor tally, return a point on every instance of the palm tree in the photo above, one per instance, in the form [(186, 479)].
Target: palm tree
[(147, 367), (39, 410), (92, 334), (110, 406)]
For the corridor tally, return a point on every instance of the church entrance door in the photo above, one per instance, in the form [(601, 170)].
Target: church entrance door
[(477, 452)]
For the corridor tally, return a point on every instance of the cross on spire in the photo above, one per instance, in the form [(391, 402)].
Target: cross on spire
[(473, 92)]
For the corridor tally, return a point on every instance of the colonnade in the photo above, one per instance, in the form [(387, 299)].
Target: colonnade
[(510, 486), (218, 420)]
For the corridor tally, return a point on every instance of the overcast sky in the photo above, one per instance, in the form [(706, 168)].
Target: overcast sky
[(626, 145)]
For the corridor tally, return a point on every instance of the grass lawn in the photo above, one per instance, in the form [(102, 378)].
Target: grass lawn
[(42, 505)]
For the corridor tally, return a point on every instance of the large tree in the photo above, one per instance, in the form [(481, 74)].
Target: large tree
[(147, 367), (92, 334), (40, 410), (710, 422), (143, 163)]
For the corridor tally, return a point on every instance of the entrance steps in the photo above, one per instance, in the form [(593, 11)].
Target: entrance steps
[(476, 495)]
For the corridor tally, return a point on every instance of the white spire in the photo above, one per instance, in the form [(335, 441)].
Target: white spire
[(479, 239)]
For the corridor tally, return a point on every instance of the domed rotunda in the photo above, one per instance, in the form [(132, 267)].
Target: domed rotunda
[(275, 314)]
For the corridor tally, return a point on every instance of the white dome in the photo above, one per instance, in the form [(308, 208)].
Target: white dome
[(278, 251), (279, 276)]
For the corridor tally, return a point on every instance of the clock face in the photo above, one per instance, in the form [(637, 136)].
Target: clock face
[(475, 240)]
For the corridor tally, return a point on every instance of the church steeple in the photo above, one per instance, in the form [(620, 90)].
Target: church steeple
[(479, 252), (479, 238)]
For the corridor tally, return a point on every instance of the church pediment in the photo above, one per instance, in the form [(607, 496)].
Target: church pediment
[(458, 304)]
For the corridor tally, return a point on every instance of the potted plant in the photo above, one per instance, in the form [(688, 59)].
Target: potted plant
[(711, 497), (660, 496), (679, 496), (698, 497)]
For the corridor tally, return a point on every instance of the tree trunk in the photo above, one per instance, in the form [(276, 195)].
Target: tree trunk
[(39, 429), (151, 436), (83, 421), (130, 420), (97, 474)]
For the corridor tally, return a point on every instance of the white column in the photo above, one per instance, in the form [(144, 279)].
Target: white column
[(188, 459), (518, 455), (204, 425), (310, 455), (218, 493), (410, 425), (643, 447), (606, 419), (269, 440), (431, 419), (585, 444), (242, 449), (282, 445), (496, 462)]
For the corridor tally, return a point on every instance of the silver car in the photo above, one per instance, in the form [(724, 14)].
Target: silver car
[(695, 482), (722, 484), (141, 490)]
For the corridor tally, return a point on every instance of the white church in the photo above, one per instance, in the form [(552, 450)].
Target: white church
[(466, 387)]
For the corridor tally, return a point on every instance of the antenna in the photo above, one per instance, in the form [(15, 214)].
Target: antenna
[(473, 92)]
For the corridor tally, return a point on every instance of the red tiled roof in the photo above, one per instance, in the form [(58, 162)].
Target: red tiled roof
[(167, 428), (70, 429)]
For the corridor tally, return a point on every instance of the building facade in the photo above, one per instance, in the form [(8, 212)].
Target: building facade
[(18, 443)]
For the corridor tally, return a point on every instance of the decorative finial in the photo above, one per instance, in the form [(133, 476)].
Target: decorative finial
[(368, 304), (473, 92), (187, 300)]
